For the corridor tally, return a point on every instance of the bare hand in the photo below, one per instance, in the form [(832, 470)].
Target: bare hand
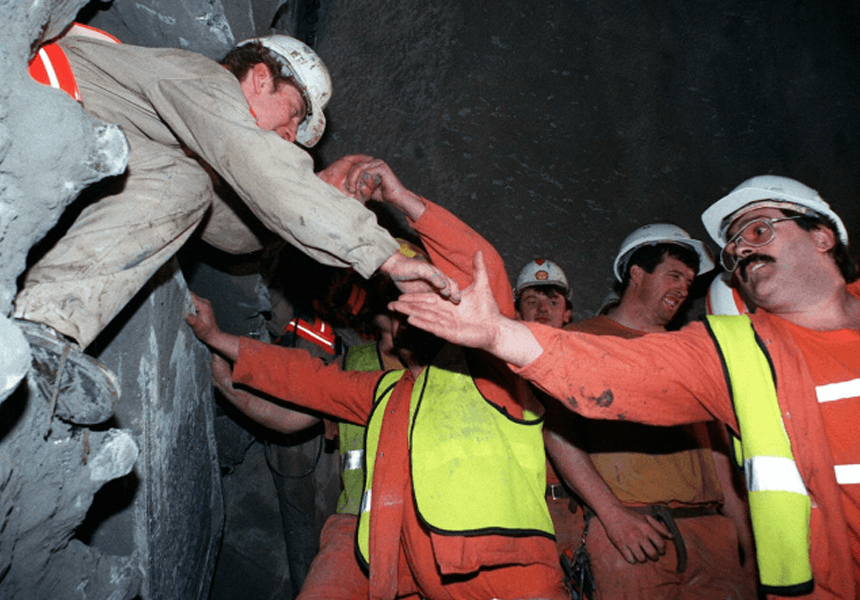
[(206, 329), (374, 177), (475, 322), (465, 323), (203, 324), (418, 276), (338, 173), (637, 537)]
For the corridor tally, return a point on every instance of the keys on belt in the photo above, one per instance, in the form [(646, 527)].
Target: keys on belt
[(556, 491)]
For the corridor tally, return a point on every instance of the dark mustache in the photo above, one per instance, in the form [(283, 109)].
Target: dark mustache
[(745, 262)]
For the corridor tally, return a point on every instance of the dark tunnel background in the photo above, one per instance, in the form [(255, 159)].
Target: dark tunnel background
[(552, 128), (557, 128)]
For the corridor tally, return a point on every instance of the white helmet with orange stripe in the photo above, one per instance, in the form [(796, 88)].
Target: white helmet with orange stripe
[(541, 272)]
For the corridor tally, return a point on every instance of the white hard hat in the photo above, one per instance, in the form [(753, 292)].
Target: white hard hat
[(303, 64), (723, 298), (762, 192), (541, 272), (660, 233)]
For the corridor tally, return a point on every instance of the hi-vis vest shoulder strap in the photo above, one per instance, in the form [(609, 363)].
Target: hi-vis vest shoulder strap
[(351, 437), (475, 470), (779, 503), (51, 67)]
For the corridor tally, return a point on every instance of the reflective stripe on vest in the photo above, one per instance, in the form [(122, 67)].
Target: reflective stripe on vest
[(319, 333), (475, 470), (351, 437), (779, 503), (374, 425), (352, 460), (51, 67)]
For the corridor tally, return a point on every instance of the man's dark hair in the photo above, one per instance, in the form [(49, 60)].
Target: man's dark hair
[(648, 257), (545, 290), (242, 59), (844, 261)]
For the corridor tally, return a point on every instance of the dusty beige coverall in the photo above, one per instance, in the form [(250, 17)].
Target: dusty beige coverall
[(161, 97)]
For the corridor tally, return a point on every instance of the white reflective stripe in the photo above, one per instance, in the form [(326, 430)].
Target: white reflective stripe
[(49, 69), (352, 460), (315, 334), (847, 474), (838, 391), (365, 502), (773, 474)]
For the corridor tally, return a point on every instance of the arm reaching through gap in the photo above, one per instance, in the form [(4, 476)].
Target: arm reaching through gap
[(206, 329), (364, 178)]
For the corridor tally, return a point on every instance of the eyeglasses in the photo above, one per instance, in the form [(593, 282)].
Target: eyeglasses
[(756, 233)]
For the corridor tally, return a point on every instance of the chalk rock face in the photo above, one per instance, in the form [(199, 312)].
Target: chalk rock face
[(49, 150), (90, 504), (50, 471)]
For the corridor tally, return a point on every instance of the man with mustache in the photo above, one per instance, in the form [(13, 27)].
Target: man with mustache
[(784, 378), (648, 485)]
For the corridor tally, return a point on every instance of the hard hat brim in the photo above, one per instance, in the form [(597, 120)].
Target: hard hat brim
[(717, 217)]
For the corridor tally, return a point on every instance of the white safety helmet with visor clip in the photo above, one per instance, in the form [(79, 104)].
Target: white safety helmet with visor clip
[(541, 272), (310, 73)]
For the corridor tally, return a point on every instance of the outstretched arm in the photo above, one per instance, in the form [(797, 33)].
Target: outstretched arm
[(265, 412), (365, 178), (659, 379), (450, 242)]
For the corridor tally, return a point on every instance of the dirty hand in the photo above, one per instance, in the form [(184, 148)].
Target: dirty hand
[(203, 323), (466, 323), (475, 322), (338, 173), (637, 537), (417, 276), (206, 329), (375, 179)]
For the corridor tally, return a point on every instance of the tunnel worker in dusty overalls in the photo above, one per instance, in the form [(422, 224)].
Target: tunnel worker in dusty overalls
[(185, 115)]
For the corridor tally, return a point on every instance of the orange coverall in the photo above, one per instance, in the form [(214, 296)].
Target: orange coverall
[(675, 378), (407, 557)]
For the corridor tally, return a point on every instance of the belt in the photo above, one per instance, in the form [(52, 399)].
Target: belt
[(556, 491), (667, 515)]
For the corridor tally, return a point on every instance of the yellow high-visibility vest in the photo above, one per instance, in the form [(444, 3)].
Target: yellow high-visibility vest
[(475, 469), (779, 503), (351, 437)]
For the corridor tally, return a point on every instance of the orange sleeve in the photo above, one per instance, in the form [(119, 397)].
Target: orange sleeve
[(294, 376), (452, 246), (657, 379)]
